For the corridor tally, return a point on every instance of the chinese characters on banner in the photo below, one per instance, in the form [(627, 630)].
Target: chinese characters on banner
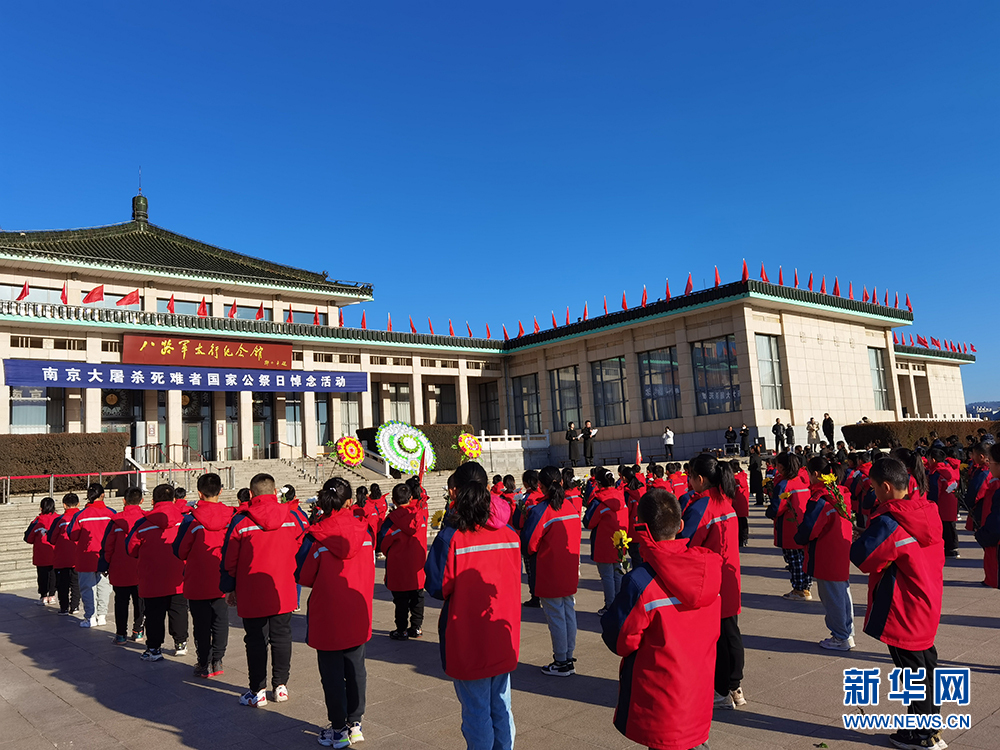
[(31, 372), (189, 352)]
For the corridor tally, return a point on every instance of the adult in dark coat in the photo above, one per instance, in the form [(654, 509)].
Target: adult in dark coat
[(778, 430), (573, 439), (828, 429), (756, 475), (587, 435), (744, 440)]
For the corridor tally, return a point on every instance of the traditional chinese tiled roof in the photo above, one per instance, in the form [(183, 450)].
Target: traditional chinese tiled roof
[(140, 246)]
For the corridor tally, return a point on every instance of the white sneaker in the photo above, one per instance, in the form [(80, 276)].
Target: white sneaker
[(354, 733), (280, 694), (102, 620), (724, 702), (836, 644), (91, 623), (738, 698), (337, 738), (250, 698)]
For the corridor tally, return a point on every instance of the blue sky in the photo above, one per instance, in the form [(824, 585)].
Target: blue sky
[(493, 162)]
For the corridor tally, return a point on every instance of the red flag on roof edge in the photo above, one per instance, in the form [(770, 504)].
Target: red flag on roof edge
[(488, 335), (340, 316), (746, 273), (289, 318), (897, 300), (922, 341), (430, 326), (451, 328), (605, 304), (520, 329), (389, 318), (690, 285), (94, 295), (202, 309), (64, 297), (865, 298), (624, 303), (874, 295), (850, 290), (781, 276), (822, 286), (24, 292), (170, 305), (316, 318), (260, 312), (537, 329), (505, 336), (584, 310), (935, 342), (643, 295), (763, 273), (894, 339), (911, 339), (667, 298), (132, 298), (364, 321), (908, 305), (413, 328), (796, 278), (717, 277), (972, 348), (885, 303), (810, 281), (554, 324), (232, 310), (567, 314), (836, 287), (469, 329)]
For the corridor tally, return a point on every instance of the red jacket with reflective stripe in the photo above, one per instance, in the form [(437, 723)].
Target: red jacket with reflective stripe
[(123, 569), (791, 510), (403, 541), (87, 530), (151, 540), (37, 535), (942, 484), (606, 514), (826, 536), (741, 503), (553, 537), (64, 555), (710, 522), (337, 561), (199, 543), (258, 557), (477, 572)]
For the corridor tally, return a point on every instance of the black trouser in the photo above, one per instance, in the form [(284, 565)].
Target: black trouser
[(46, 580), (529, 568), (211, 628), (124, 595), (344, 684), (588, 452), (729, 656), (409, 607), (669, 451), (744, 524), (158, 609), (68, 588), (950, 537), (274, 631), (761, 497), (779, 444), (926, 660)]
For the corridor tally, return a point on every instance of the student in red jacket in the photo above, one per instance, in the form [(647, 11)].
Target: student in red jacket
[(161, 574), (710, 522), (741, 503), (376, 496), (366, 511), (258, 566), (574, 495), (336, 561), (988, 535), (825, 532), (551, 536), (87, 530), (788, 504), (531, 495), (633, 489), (943, 476), (43, 553), (664, 625), (123, 569), (403, 541), (64, 557), (606, 515), (199, 543), (181, 500), (657, 478), (979, 476), (903, 554), (476, 569)]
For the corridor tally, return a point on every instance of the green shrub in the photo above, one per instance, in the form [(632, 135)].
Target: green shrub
[(907, 433), (444, 438), (60, 453)]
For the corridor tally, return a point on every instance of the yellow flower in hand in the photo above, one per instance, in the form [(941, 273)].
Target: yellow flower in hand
[(785, 495), (437, 518), (621, 539)]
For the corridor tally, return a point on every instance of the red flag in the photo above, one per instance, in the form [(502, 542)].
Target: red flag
[(668, 290), (638, 453), (908, 305), (468, 328), (874, 295), (487, 330), (430, 326), (922, 341), (763, 273), (836, 287), (260, 312), (232, 310), (170, 305), (132, 298), (64, 297), (885, 303), (605, 304), (972, 348), (965, 349), (865, 298), (24, 293), (954, 348), (520, 329), (850, 290), (822, 286), (451, 328), (624, 303), (897, 300), (94, 295), (690, 285), (810, 281), (584, 310), (643, 295), (202, 309), (796, 278), (894, 339), (505, 336), (781, 277), (537, 329), (413, 328), (935, 342), (290, 319), (567, 315), (364, 321), (389, 328), (911, 339), (316, 317), (340, 316), (717, 282), (746, 273), (554, 324)]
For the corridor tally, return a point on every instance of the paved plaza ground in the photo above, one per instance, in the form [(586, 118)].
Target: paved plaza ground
[(68, 687)]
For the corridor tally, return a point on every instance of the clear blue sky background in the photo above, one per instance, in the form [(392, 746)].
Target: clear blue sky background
[(497, 161)]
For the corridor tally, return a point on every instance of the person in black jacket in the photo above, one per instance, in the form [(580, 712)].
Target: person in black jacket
[(756, 477), (778, 430), (828, 429), (573, 439), (744, 440)]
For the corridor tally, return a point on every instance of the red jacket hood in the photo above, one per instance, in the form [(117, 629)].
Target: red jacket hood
[(611, 497), (692, 574), (917, 516), (213, 516), (165, 514), (341, 532), (127, 518), (267, 512)]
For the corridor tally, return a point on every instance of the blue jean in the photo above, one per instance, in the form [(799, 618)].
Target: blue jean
[(487, 720), (95, 590), (560, 614), (836, 598), (611, 580)]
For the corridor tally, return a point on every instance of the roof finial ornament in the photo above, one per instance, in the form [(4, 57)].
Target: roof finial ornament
[(140, 206), (140, 179)]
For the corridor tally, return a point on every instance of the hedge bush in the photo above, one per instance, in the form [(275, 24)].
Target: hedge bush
[(60, 453), (444, 438), (907, 433)]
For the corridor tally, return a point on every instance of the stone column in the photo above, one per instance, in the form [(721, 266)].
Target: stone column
[(150, 408), (246, 425), (92, 411), (219, 424), (417, 393), (587, 402), (310, 429), (685, 377), (546, 416), (149, 298), (280, 429), (366, 418), (175, 426), (74, 410), (337, 416), (891, 383), (633, 384), (462, 393)]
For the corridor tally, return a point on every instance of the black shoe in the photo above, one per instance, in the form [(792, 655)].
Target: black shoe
[(915, 740), (560, 668), (951, 553), (216, 669), (534, 602), (414, 632), (399, 635), (200, 670)]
